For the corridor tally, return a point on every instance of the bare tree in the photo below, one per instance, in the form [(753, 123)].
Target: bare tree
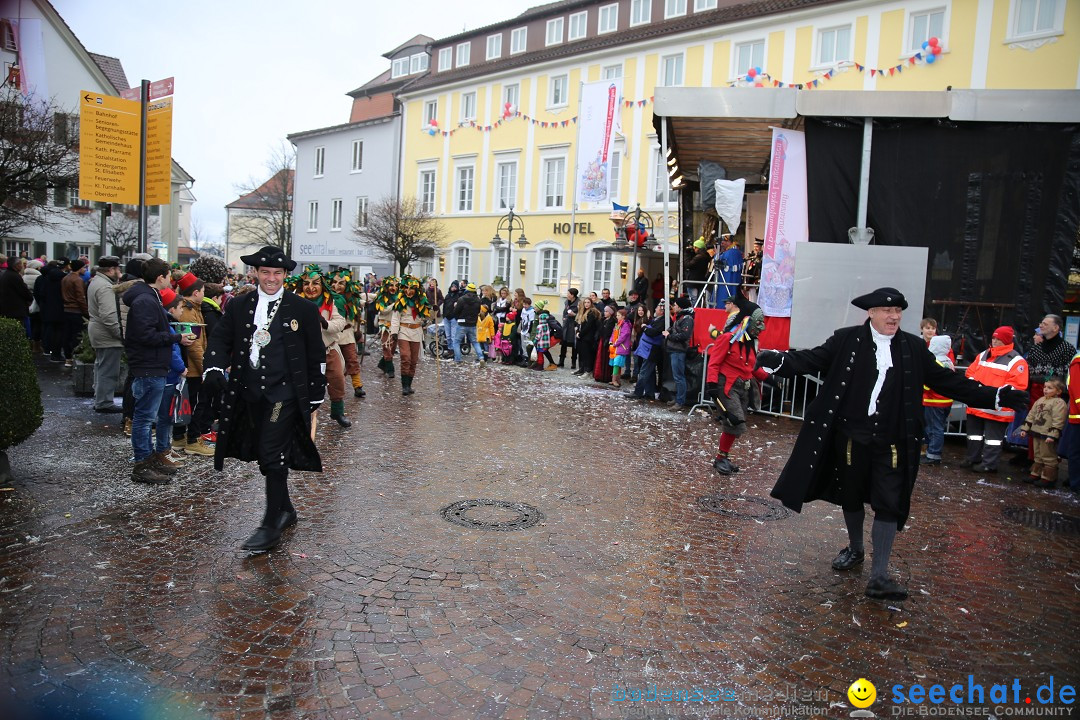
[(400, 229), (202, 243), (39, 161), (121, 229), (269, 203)]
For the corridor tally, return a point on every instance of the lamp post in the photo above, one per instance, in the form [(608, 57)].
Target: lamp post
[(510, 223), (642, 224)]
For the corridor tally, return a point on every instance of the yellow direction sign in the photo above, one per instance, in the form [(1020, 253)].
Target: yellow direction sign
[(109, 130), (159, 152)]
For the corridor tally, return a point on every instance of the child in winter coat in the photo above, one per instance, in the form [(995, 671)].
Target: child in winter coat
[(936, 407), (177, 367), (1044, 422), (542, 338), (619, 351), (485, 330), (507, 338)]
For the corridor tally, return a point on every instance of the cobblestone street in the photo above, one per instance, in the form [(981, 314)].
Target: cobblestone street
[(136, 598)]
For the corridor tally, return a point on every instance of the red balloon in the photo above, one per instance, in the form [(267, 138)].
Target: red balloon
[(936, 49), (751, 73), (507, 105), (758, 85), (434, 122), (933, 41)]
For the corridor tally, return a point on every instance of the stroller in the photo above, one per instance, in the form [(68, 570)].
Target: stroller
[(433, 345)]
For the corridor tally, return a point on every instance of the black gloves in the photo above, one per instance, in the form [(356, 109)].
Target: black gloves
[(1010, 397), (214, 381), (769, 360)]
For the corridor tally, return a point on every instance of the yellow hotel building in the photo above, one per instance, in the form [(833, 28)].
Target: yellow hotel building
[(492, 123)]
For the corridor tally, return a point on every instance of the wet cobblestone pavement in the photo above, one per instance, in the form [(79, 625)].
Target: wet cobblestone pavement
[(137, 599)]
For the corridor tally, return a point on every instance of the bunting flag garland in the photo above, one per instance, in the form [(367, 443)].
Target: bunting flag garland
[(759, 78), (508, 116)]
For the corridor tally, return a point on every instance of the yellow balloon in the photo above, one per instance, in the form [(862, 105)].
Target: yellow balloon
[(862, 693)]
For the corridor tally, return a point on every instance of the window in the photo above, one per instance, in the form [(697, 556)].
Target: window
[(506, 188), (640, 11), (512, 95), (601, 273), (461, 263), (418, 63), (674, 8), (494, 47), (557, 95), (554, 182), (400, 67), (431, 112), (518, 38), (465, 188), (60, 194), (748, 55), (549, 266), (7, 36), (313, 216), (446, 59), (320, 161), (671, 70), (554, 32), (21, 248), (361, 212), (77, 201), (1038, 16), (427, 191), (661, 183), (611, 72), (609, 18), (65, 128), (577, 25), (502, 264), (335, 214), (463, 51), (834, 45), (357, 155), (925, 25), (613, 172), (468, 106), (700, 5)]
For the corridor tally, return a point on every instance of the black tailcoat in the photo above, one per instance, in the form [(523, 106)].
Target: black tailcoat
[(229, 348), (812, 471)]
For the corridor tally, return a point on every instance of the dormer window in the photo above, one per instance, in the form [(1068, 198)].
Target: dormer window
[(400, 67), (409, 65)]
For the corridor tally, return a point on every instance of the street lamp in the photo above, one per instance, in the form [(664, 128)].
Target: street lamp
[(629, 230), (510, 223)]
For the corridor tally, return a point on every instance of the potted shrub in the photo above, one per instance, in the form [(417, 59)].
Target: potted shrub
[(82, 375), (19, 377)]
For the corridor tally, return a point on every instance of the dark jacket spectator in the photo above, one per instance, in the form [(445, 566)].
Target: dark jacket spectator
[(15, 297), (148, 337), (697, 269), (449, 300), (641, 285), (682, 331), (434, 296), (47, 293), (467, 308)]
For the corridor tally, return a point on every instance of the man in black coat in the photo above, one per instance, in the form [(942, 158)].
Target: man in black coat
[(466, 311), (861, 437), (270, 344)]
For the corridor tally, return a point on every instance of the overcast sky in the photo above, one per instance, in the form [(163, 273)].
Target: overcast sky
[(249, 73)]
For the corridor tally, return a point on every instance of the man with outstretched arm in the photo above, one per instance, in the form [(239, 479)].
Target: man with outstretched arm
[(861, 437)]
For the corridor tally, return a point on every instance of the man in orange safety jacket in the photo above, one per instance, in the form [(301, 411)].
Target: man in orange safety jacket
[(998, 366)]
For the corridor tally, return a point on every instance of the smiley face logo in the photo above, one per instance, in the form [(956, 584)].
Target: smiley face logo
[(862, 693)]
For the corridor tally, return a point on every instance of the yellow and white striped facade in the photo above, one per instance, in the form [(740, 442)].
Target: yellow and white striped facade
[(463, 171)]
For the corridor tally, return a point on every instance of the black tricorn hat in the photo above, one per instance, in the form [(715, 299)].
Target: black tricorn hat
[(882, 297), (269, 256)]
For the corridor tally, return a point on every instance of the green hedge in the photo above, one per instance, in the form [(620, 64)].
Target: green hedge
[(19, 386)]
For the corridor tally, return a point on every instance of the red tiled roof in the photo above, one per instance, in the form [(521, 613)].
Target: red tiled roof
[(255, 200), (113, 70)]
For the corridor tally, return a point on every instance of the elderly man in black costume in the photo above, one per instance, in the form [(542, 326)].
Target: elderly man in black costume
[(269, 343), (861, 437)]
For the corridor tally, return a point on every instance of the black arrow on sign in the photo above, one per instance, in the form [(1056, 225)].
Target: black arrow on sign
[(86, 97)]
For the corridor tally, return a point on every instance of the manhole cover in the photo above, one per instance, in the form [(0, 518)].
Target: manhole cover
[(492, 514), (744, 506), (1051, 522)]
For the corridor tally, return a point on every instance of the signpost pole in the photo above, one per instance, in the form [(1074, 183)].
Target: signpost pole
[(144, 94), (573, 197), (106, 211)]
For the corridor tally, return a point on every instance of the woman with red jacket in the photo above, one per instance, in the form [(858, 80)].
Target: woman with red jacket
[(731, 365), (998, 366)]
